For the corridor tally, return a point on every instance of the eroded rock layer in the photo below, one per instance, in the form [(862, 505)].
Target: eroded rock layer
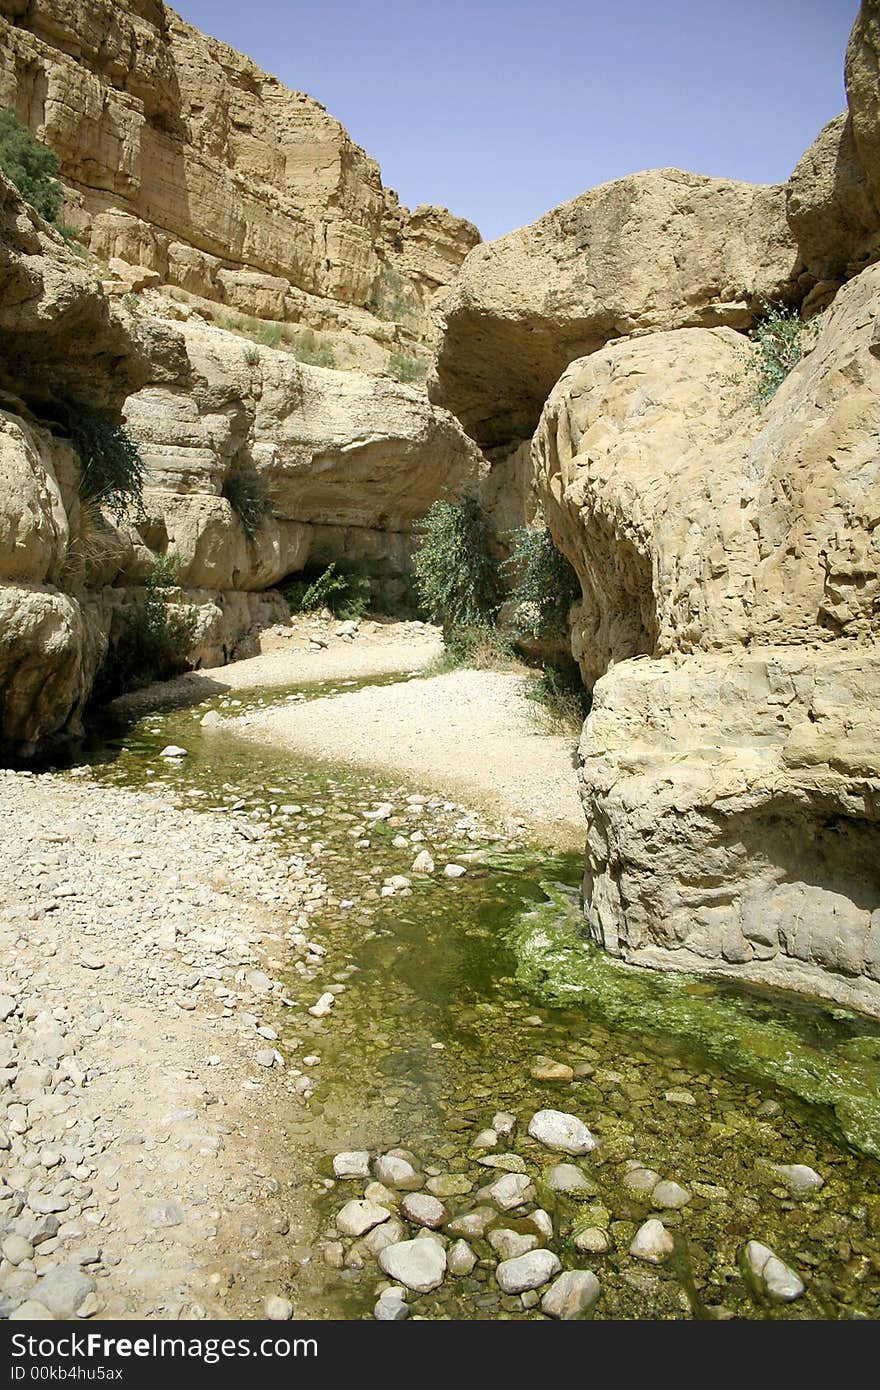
[(184, 159), (657, 250), (730, 781)]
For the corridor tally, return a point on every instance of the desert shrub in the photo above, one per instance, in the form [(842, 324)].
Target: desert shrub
[(248, 496), (393, 298), (346, 592), (454, 574), (270, 335), (132, 302), (30, 166), (484, 648), (407, 369), (778, 343), (112, 468), (252, 355), (544, 584), (156, 637), (307, 348), (561, 695)]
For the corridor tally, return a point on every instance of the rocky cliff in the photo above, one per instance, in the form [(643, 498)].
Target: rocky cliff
[(726, 548), (183, 159)]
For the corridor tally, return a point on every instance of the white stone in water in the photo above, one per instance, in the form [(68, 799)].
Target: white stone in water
[(397, 1172), (390, 1309), (670, 1194), (171, 750), (510, 1244), (455, 871), (652, 1242), (591, 1241), (359, 1216), (542, 1222), (504, 1124), (460, 1259), (513, 1190), (384, 811), (800, 1180), (527, 1271), (641, 1179), (423, 1210), (419, 1264), (322, 1007), (423, 863), (556, 1129), (210, 720), (571, 1295), (474, 1223), (354, 1163), (771, 1274), (567, 1178), (486, 1139), (391, 1232)]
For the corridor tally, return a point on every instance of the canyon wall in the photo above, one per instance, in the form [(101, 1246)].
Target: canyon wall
[(726, 546), (182, 158)]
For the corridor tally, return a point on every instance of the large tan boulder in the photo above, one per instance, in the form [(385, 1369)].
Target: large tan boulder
[(733, 817), (833, 196), (654, 251), (185, 159), (696, 523), (730, 632)]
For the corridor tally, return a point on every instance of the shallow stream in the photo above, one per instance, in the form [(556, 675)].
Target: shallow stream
[(455, 987)]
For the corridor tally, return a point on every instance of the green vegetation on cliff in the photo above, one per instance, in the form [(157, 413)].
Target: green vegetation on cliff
[(30, 166)]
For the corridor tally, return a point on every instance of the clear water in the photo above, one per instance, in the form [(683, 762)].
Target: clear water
[(457, 988)]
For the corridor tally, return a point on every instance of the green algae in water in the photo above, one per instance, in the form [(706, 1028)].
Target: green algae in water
[(556, 963)]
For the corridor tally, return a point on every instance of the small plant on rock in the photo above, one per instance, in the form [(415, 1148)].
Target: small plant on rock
[(561, 696), (249, 497), (544, 583), (112, 467), (778, 342), (409, 370)]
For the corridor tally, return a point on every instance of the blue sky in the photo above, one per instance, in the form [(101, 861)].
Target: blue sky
[(500, 109)]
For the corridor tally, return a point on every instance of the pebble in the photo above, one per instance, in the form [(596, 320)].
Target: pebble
[(455, 871), (423, 863), (390, 1309), (556, 1129), (572, 1295), (510, 1244), (397, 1173), (592, 1240), (418, 1264), (352, 1164), (527, 1271), (513, 1190), (460, 1259), (359, 1216), (323, 1005), (652, 1242), (565, 1177), (424, 1210), (770, 1275), (63, 1290), (671, 1195), (800, 1180), (641, 1179), (546, 1069), (278, 1309), (172, 750), (16, 1248)]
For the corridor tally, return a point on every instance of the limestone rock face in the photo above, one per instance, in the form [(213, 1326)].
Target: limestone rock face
[(833, 196), (696, 523), (59, 336), (657, 250), (184, 159), (349, 461), (731, 780)]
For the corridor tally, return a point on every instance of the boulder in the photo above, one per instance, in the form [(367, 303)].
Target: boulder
[(653, 251)]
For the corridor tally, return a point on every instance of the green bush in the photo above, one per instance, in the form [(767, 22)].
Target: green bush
[(454, 574), (561, 695), (407, 369), (252, 355), (544, 583), (132, 302), (393, 299), (156, 637), (307, 348), (112, 468), (248, 496), (30, 166), (777, 345), (346, 592)]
